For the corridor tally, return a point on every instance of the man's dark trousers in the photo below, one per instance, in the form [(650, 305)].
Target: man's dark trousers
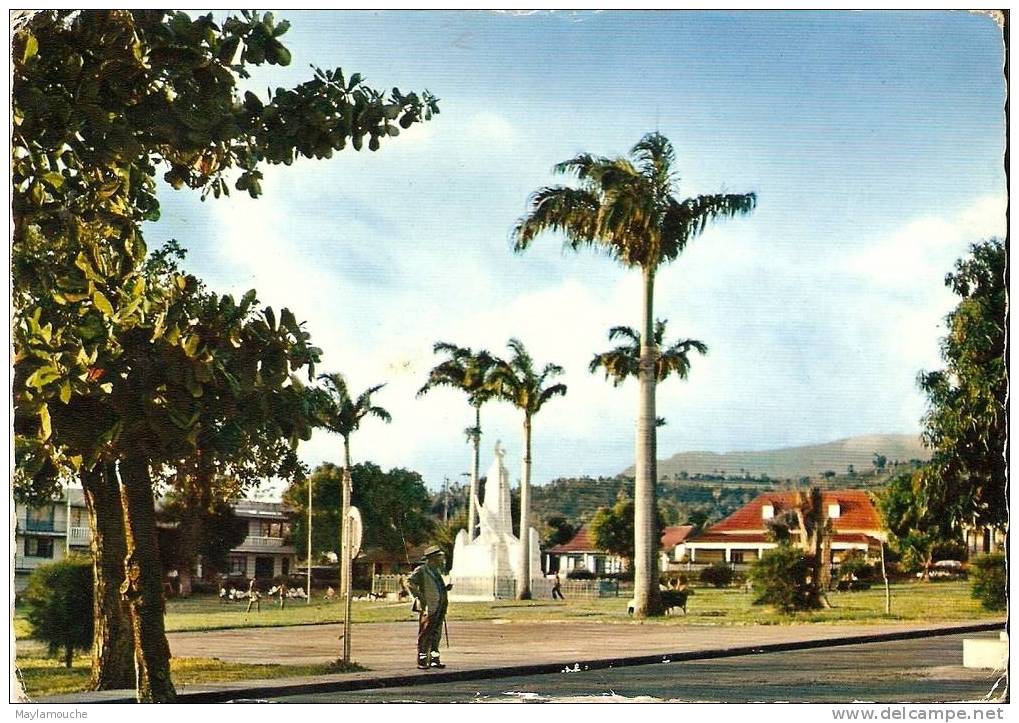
[(430, 632)]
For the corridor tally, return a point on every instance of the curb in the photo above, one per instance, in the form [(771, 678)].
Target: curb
[(253, 693)]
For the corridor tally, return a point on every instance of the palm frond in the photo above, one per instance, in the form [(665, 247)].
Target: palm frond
[(571, 211), (684, 220)]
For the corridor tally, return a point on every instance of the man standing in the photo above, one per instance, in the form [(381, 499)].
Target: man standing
[(429, 590)]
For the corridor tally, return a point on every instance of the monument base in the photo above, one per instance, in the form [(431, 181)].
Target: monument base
[(480, 589)]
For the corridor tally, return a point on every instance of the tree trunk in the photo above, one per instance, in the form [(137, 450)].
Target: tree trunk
[(524, 588), (472, 513), (143, 584), (112, 645), (68, 655), (647, 599)]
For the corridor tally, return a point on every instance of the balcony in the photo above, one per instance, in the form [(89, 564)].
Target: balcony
[(261, 541), (80, 536)]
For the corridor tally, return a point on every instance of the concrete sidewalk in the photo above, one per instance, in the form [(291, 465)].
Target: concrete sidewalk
[(490, 649)]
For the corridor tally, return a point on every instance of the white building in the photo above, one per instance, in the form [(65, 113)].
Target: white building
[(47, 533)]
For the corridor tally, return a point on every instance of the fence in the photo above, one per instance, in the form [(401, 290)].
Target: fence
[(505, 588)]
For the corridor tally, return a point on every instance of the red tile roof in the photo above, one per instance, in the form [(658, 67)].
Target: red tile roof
[(857, 512), (672, 536), (581, 542), (756, 537)]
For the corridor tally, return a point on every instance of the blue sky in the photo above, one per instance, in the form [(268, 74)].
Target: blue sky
[(873, 139)]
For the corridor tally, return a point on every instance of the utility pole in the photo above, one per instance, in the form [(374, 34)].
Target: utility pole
[(345, 562), (308, 601), (445, 500)]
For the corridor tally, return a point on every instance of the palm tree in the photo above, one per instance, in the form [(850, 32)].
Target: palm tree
[(519, 382), (626, 207), (341, 413), (624, 361), (468, 371)]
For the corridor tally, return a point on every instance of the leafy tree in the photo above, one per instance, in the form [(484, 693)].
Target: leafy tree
[(468, 371), (965, 423), (558, 531), (914, 530), (782, 578), (519, 382), (59, 606), (394, 507), (208, 532), (338, 411), (990, 581), (626, 207), (880, 461), (99, 100), (612, 528)]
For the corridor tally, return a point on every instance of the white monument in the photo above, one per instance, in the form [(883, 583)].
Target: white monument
[(488, 567)]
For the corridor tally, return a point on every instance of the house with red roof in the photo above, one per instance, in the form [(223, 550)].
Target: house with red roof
[(743, 536), (581, 553), (673, 546)]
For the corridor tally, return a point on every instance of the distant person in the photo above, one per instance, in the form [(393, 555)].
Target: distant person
[(431, 601), (330, 594), (254, 598), (557, 588)]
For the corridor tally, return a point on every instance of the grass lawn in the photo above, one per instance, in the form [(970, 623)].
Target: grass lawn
[(43, 676), (911, 601)]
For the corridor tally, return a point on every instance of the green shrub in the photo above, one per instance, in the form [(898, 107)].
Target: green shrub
[(855, 567), (781, 578), (59, 606), (718, 574), (990, 583), (580, 574)]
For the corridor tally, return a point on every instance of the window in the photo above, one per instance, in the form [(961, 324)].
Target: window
[(238, 565), (38, 547), (39, 518), (736, 557)]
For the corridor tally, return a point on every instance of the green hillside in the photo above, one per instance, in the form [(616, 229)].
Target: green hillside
[(716, 485)]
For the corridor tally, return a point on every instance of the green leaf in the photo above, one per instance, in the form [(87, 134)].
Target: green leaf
[(191, 345), (65, 392), (31, 48), (45, 426), (54, 180), (102, 303), (42, 376)]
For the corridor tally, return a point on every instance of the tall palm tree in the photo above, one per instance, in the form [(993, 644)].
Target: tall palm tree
[(339, 412), (627, 207), (519, 382), (468, 371), (624, 361)]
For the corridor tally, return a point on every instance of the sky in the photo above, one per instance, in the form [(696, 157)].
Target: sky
[(874, 141)]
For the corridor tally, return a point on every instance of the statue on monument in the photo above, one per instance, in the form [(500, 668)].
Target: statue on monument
[(486, 567)]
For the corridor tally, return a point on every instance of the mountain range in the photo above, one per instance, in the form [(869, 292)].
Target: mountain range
[(795, 462)]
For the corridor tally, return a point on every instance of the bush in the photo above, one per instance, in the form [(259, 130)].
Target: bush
[(990, 583), (854, 567), (780, 578), (59, 601), (580, 574), (718, 574)]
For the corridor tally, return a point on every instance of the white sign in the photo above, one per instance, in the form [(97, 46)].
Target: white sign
[(356, 531)]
